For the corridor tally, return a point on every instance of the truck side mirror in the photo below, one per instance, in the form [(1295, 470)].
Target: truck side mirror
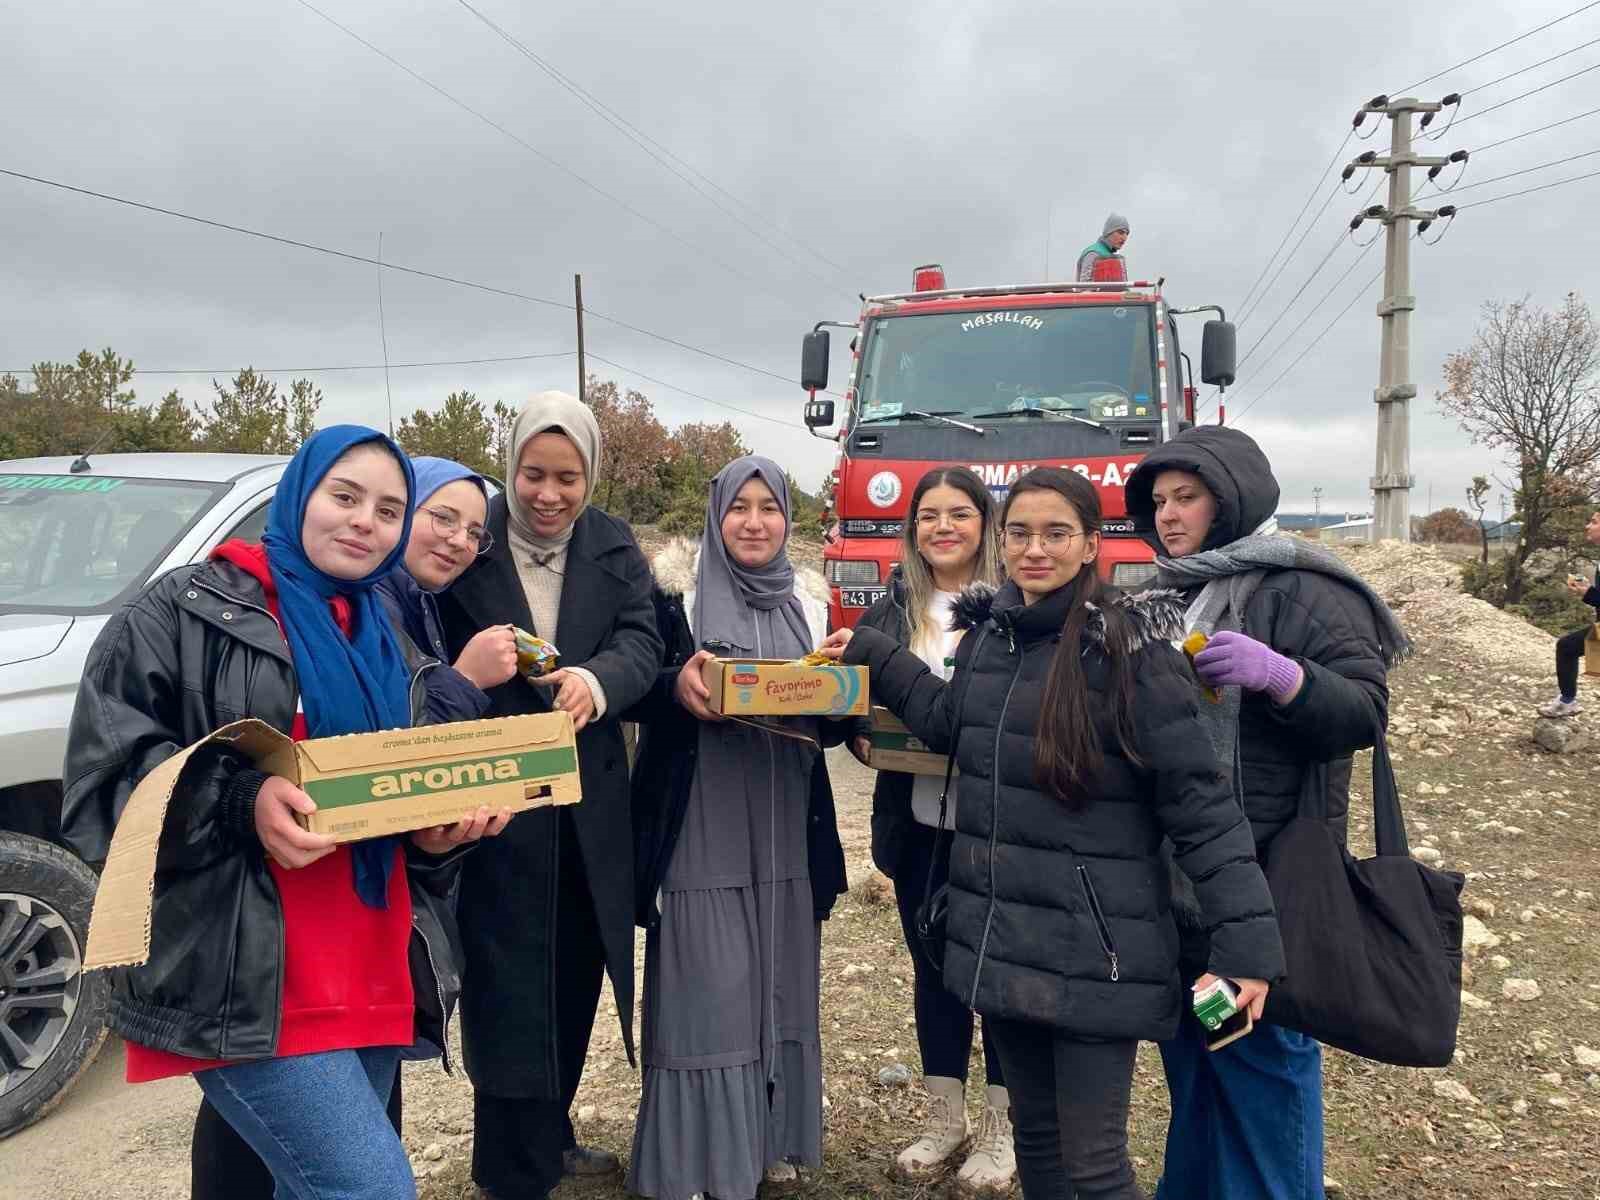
[(814, 362), (819, 414), (1219, 351)]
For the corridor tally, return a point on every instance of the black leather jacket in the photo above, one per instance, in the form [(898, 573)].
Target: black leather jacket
[(196, 650)]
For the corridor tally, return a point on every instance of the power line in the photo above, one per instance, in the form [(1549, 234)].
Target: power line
[(661, 154), (1314, 343), (452, 362), (348, 256), (1544, 187), (1495, 49), (1483, 112), (1315, 308), (696, 395), (1543, 62), (1293, 224), (1517, 137), (1525, 171), (543, 157)]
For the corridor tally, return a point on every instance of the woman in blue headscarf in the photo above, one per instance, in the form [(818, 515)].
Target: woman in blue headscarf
[(279, 971), (447, 533)]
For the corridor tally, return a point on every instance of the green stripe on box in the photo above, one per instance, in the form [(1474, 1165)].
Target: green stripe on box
[(457, 773), (883, 739)]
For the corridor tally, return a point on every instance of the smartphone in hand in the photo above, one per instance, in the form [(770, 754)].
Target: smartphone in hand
[(1216, 1008)]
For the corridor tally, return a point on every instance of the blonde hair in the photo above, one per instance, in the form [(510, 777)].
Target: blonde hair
[(914, 570)]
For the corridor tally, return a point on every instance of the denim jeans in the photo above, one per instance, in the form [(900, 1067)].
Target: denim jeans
[(319, 1122), (944, 1022), (1069, 1112), (1246, 1120)]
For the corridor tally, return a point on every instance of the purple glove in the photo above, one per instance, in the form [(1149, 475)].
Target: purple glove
[(1233, 660)]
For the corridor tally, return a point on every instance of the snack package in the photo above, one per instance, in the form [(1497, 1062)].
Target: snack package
[(815, 659), (1192, 645), (535, 656), (1215, 1003)]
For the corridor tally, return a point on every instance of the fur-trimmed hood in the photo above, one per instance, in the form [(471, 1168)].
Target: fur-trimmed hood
[(676, 567), (1153, 616)]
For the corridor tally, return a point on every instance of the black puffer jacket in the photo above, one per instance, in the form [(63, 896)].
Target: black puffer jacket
[(1324, 624), (1061, 917), (195, 651)]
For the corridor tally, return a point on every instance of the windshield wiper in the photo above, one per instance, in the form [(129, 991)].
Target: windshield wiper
[(916, 414), (1051, 413)]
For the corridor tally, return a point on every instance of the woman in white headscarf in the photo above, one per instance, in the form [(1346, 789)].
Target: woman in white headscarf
[(732, 1060), (547, 916)]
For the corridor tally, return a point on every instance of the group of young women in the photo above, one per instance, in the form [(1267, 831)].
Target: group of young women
[(383, 594)]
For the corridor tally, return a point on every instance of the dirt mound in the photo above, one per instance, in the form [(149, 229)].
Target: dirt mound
[(1423, 586)]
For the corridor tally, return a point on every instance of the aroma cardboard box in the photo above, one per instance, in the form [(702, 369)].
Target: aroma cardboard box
[(365, 785), (772, 687), (896, 748)]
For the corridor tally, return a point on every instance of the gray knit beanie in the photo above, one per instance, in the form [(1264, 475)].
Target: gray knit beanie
[(1114, 222)]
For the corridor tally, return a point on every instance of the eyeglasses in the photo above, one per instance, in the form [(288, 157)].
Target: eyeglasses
[(928, 518), (447, 525), (1053, 541)]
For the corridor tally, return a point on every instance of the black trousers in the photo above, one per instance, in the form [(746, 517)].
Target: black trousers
[(944, 1022), (222, 1166), (1069, 1111), (517, 1143), (1569, 653)]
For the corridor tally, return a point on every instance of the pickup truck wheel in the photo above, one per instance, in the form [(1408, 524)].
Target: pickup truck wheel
[(52, 1014)]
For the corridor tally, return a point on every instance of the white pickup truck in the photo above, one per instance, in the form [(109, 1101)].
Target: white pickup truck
[(78, 538)]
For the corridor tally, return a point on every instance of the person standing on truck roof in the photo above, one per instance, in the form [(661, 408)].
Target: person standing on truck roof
[(951, 540), (1112, 238)]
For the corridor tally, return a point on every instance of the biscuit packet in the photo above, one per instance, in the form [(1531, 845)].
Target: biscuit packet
[(535, 656)]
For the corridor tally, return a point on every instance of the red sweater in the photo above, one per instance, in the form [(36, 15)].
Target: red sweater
[(346, 982)]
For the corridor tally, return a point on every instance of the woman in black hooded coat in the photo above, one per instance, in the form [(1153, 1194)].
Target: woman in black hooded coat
[(1300, 648)]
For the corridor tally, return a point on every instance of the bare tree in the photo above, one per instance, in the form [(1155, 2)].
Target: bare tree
[(1478, 498), (1529, 386)]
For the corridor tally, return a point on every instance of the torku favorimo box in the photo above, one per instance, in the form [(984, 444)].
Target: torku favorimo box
[(365, 785), (774, 687), (896, 748)]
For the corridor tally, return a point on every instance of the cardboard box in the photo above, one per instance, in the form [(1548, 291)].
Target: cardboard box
[(896, 748), (775, 687), (365, 785)]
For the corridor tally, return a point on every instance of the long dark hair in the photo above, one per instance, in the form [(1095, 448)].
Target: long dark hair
[(914, 570), (1067, 754)]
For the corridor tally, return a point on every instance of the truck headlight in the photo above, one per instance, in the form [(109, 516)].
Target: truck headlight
[(850, 572), (1130, 575)]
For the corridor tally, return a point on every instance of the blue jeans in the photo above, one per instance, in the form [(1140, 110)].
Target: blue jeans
[(319, 1122), (1246, 1120)]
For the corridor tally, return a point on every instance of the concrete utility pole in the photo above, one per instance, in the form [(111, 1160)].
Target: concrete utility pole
[(1392, 479), (1316, 499)]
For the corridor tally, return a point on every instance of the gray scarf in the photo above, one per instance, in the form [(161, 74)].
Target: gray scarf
[(727, 595), (1230, 575)]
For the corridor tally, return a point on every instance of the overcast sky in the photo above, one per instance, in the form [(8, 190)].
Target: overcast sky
[(874, 136)]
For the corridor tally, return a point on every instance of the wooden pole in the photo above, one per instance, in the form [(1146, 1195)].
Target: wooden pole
[(583, 374)]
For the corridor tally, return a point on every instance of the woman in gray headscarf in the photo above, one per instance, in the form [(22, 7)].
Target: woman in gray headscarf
[(732, 1059), (549, 915)]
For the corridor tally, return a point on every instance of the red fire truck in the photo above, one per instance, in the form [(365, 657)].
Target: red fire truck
[(1087, 376)]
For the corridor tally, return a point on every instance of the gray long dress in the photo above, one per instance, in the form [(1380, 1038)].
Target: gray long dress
[(732, 1057)]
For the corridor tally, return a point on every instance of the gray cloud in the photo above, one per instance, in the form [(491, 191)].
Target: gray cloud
[(882, 136)]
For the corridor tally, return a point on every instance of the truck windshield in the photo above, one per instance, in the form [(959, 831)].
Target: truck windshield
[(77, 543), (1093, 361)]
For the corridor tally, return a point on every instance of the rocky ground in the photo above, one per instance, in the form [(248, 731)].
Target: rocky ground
[(1517, 1113)]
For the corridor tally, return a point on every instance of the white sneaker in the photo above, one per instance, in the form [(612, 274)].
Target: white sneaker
[(945, 1132), (781, 1174), (991, 1166), (1560, 708)]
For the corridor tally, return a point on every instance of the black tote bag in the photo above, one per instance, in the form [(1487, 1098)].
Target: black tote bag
[(1373, 946)]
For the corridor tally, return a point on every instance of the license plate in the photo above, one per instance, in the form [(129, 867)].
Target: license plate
[(861, 597)]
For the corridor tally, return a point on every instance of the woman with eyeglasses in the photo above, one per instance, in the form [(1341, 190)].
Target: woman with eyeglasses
[(1076, 730), (447, 534), (950, 541)]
